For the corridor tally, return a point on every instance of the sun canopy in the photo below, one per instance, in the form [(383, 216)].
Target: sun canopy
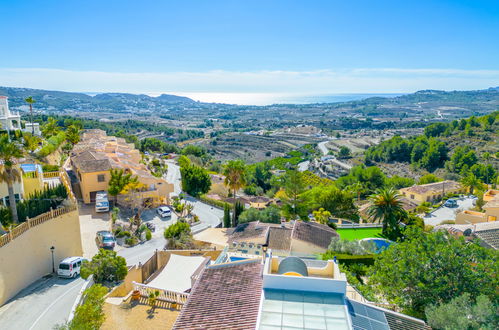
[(176, 276)]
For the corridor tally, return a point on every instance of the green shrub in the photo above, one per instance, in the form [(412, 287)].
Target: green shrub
[(176, 230), (105, 266), (148, 235), (5, 216), (50, 168), (90, 315), (131, 241), (41, 202), (214, 202)]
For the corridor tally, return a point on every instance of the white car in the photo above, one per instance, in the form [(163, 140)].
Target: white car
[(164, 212), (70, 267)]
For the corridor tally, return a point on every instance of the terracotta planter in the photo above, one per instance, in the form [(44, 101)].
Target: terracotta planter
[(135, 295)]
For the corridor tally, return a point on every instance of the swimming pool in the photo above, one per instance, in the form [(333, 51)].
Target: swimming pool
[(380, 244), (237, 258)]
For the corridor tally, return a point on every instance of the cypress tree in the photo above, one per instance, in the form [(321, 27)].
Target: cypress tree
[(226, 216)]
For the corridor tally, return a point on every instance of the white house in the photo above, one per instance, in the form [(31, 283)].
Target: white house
[(8, 120)]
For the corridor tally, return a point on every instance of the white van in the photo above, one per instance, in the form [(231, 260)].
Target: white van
[(101, 202), (70, 267)]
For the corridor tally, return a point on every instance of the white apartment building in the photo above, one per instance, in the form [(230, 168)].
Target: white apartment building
[(8, 120)]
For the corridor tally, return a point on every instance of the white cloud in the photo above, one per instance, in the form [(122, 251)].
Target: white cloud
[(244, 87)]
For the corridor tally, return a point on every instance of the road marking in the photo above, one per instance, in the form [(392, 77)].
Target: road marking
[(52, 304)]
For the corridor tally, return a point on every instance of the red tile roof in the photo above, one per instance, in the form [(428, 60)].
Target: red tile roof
[(225, 296), (313, 233)]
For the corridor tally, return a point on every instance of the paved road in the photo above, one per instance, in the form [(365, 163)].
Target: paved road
[(448, 213), (173, 176), (322, 147), (41, 305), (142, 252), (207, 214)]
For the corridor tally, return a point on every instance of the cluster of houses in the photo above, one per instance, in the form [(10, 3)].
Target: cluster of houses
[(97, 154), (265, 277)]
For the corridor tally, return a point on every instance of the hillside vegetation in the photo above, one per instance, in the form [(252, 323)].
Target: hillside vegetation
[(450, 149)]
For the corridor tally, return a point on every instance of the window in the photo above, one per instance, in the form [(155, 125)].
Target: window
[(79, 263), (412, 196), (101, 178)]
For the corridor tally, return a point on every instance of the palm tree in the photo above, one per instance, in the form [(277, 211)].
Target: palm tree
[(357, 188), (9, 152), (235, 179), (472, 182), (73, 134), (30, 100), (386, 207), (50, 128), (31, 142), (322, 216)]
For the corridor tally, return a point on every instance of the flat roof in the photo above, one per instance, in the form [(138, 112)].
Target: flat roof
[(283, 309)]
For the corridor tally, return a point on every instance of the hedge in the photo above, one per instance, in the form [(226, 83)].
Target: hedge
[(38, 203), (346, 259), (214, 202)]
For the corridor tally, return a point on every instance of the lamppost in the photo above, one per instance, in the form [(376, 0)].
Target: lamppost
[(53, 265)]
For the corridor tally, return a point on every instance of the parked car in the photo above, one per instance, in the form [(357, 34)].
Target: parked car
[(101, 202), (70, 267), (164, 212), (105, 240), (450, 203)]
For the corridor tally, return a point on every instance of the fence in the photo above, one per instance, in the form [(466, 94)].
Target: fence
[(164, 295), (150, 267), (30, 223), (54, 174), (359, 225)]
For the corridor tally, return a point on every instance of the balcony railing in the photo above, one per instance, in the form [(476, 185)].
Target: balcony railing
[(164, 295)]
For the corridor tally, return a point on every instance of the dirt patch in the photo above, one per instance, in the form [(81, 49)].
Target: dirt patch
[(138, 316)]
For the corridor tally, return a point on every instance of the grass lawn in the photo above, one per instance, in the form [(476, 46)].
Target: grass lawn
[(359, 233)]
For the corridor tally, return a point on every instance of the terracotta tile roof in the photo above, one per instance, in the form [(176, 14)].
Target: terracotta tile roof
[(279, 239), (313, 233), (225, 296), (89, 161), (434, 187), (250, 230)]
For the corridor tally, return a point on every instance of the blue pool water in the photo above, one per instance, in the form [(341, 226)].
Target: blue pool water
[(237, 258), (380, 243)]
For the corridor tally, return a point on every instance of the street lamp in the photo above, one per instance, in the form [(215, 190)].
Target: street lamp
[(53, 265)]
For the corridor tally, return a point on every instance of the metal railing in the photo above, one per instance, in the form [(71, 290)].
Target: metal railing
[(164, 295)]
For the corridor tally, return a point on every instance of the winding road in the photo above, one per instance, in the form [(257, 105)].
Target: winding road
[(41, 305), (208, 215)]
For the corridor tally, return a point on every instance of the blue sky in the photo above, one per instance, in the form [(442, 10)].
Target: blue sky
[(256, 47)]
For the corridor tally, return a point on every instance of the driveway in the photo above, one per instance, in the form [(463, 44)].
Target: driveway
[(448, 213), (90, 223), (41, 305)]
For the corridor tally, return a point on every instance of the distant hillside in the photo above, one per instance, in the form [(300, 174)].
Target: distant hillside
[(419, 108), (61, 101)]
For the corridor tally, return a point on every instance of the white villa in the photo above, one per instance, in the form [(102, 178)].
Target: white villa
[(8, 120)]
